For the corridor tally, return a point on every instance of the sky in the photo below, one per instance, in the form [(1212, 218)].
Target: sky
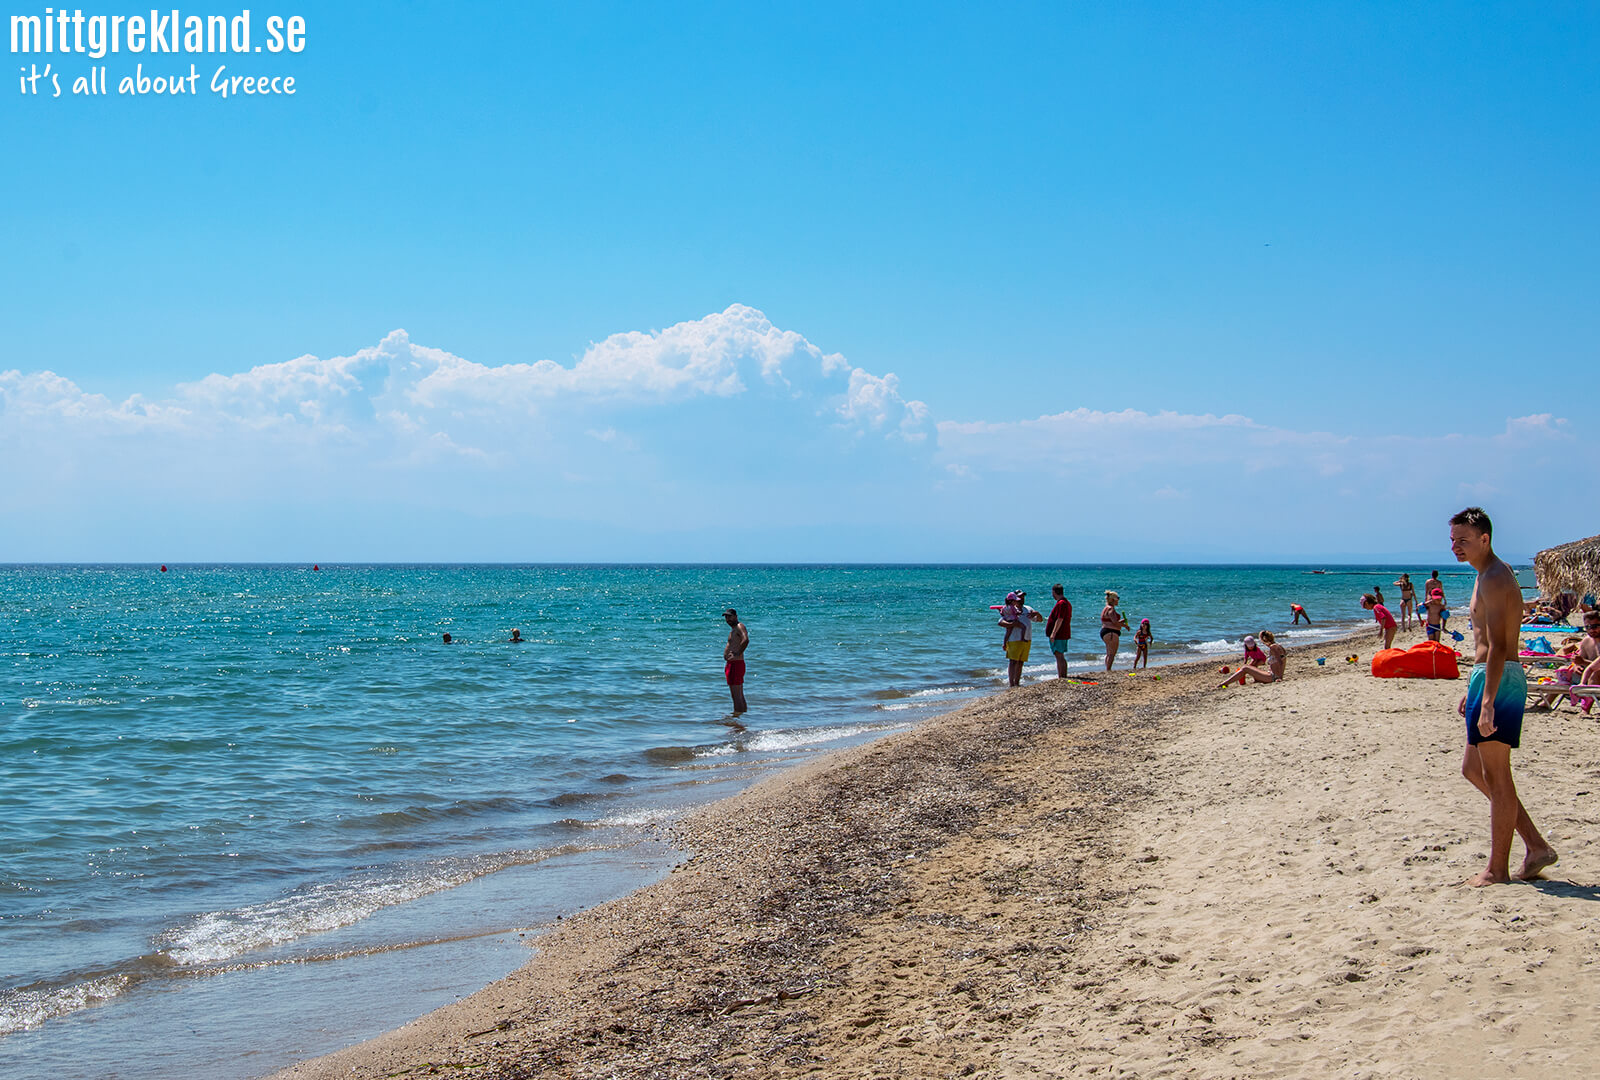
[(824, 282)]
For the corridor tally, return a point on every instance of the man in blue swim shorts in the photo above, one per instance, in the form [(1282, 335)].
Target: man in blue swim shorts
[(1497, 694)]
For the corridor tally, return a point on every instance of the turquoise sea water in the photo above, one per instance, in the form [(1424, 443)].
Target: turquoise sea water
[(251, 813)]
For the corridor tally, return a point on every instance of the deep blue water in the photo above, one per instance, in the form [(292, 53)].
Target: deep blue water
[(219, 779)]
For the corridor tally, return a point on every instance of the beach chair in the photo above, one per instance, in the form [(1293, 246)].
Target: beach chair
[(1551, 693)]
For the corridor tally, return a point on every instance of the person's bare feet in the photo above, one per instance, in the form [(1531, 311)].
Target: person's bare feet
[(1483, 878), (1537, 862)]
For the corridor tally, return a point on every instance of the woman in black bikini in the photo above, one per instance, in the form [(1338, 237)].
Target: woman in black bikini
[(1112, 624), (1408, 600)]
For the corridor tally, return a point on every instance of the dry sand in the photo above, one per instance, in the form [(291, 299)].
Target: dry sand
[(1141, 878)]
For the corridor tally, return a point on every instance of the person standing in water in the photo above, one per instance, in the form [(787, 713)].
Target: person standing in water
[(1408, 600), (1112, 624), (1059, 629), (1497, 694), (1016, 617), (733, 659), (1141, 642)]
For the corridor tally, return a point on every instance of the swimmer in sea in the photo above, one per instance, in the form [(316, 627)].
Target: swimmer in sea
[(1497, 694), (1299, 613)]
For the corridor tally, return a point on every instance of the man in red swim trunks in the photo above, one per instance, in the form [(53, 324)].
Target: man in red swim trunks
[(733, 655)]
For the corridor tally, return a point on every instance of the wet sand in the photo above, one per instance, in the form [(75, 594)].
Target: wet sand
[(1139, 878)]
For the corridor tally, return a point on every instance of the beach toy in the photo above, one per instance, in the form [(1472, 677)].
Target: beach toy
[(1155, 678), (1457, 635), (1225, 670), (1352, 659), (1321, 660)]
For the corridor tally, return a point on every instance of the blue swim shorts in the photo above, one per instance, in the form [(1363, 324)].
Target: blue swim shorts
[(1060, 645), (1509, 702)]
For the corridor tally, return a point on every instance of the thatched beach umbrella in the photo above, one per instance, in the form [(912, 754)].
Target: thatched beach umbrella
[(1573, 567)]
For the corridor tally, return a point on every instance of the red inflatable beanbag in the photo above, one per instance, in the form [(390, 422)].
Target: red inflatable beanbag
[(1429, 660)]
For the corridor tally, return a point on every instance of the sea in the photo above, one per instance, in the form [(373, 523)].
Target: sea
[(254, 813)]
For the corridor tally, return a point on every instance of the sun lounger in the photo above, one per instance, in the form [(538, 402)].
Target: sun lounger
[(1551, 693), (1549, 689)]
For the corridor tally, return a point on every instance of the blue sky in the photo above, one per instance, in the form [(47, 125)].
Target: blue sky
[(753, 282)]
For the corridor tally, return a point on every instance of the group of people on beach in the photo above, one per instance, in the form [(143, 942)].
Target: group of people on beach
[(1492, 707), (1432, 609), (1579, 660), (1016, 617)]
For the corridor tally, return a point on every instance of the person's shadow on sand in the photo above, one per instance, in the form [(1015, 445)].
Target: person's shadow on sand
[(1567, 889)]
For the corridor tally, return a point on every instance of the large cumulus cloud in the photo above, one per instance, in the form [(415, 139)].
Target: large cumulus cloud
[(708, 427)]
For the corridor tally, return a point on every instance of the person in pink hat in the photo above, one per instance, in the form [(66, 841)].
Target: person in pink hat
[(1018, 619)]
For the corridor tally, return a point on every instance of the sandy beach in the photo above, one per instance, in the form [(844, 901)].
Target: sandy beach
[(1139, 878)]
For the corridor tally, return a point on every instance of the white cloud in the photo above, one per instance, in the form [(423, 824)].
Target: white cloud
[(45, 398), (716, 356), (413, 399), (875, 402), (681, 426)]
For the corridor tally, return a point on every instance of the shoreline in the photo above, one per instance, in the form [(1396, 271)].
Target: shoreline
[(736, 951)]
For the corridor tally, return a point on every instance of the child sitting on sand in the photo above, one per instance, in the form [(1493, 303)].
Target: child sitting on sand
[(1252, 652), (1141, 641), (1276, 659)]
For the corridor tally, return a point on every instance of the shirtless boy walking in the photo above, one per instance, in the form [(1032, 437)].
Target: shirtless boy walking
[(1496, 695)]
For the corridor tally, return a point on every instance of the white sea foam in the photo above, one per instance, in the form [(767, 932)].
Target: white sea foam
[(723, 750), (767, 741), (24, 1009), (221, 935), (1217, 647), (640, 816), (791, 740), (937, 690)]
